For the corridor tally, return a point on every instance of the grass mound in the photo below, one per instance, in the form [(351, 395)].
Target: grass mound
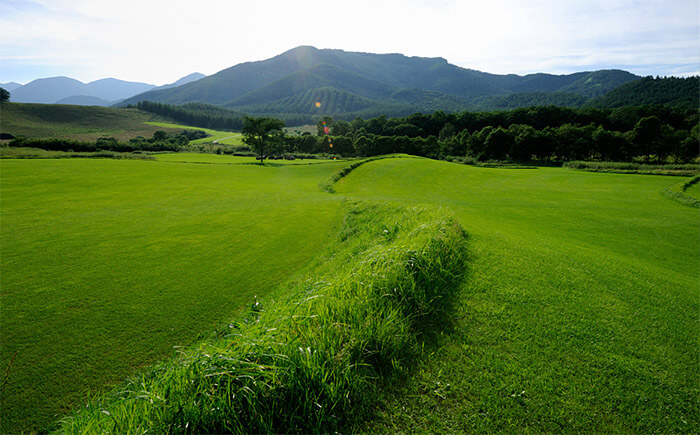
[(315, 359), (678, 193), (328, 186)]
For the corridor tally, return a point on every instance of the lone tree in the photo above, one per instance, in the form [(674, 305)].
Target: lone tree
[(261, 134), (4, 95)]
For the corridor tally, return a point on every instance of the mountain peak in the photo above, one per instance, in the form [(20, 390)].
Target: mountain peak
[(302, 70)]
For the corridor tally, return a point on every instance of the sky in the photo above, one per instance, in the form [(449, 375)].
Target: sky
[(160, 41)]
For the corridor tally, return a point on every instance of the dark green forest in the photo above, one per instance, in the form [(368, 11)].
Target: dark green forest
[(544, 134), (540, 133)]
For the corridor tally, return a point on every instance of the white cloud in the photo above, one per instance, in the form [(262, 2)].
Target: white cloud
[(159, 41)]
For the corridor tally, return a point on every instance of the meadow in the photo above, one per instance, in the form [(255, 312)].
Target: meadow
[(82, 123), (106, 264), (577, 309)]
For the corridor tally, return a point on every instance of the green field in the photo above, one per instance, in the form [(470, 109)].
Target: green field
[(106, 265), (229, 159), (83, 123), (579, 310)]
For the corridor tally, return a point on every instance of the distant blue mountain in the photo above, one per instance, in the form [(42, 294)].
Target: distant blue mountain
[(65, 90), (183, 81), (10, 86)]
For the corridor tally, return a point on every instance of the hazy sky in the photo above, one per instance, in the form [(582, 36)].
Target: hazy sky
[(159, 41)]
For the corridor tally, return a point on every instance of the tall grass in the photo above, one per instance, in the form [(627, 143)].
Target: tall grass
[(315, 359)]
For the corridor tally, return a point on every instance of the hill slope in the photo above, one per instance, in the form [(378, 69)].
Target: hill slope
[(673, 91), (76, 122), (381, 78)]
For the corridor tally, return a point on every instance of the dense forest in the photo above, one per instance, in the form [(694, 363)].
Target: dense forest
[(673, 91), (554, 134), (213, 117)]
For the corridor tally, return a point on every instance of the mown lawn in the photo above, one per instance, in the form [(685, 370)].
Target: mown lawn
[(107, 265), (580, 310)]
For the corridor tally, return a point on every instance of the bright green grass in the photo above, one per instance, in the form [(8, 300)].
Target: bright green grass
[(221, 137), (693, 190), (315, 358), (580, 309), (85, 123), (229, 159), (106, 265)]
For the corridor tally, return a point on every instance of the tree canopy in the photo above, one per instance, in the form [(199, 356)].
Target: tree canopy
[(261, 135), (4, 95)]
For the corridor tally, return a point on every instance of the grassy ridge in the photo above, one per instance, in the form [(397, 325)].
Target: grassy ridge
[(685, 193), (580, 313), (106, 264), (328, 185), (315, 360)]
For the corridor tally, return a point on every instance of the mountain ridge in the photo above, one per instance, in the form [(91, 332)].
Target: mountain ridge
[(381, 78), (102, 92)]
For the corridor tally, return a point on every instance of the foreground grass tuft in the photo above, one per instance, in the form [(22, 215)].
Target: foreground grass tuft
[(316, 359)]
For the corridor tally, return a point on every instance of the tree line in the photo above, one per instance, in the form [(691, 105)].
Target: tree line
[(195, 114), (213, 117), (556, 134)]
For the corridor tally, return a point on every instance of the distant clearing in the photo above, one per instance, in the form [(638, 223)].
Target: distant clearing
[(221, 137)]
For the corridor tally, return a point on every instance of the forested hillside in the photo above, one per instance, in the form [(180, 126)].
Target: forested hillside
[(673, 91), (366, 84)]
